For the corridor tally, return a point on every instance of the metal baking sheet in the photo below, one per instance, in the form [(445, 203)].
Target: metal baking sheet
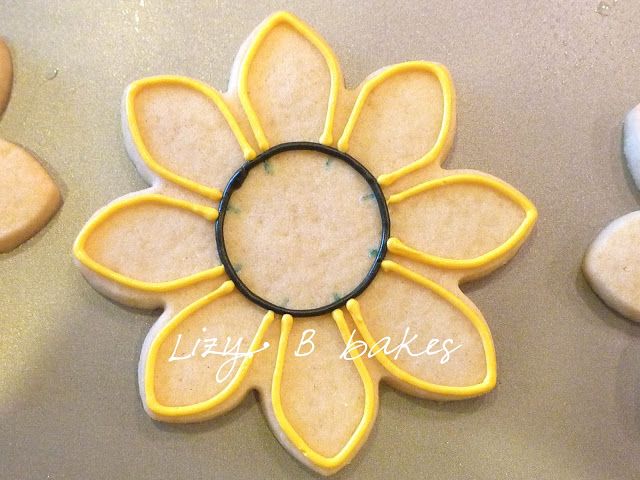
[(542, 90)]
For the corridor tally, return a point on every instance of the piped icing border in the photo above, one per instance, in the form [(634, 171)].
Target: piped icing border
[(442, 74), (80, 252), (149, 372), (235, 183), (210, 93), (294, 437), (396, 246), (332, 63), (481, 327)]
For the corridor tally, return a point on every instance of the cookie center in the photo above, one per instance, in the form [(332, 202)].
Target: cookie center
[(302, 228)]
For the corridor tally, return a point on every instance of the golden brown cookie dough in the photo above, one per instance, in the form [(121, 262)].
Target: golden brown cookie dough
[(6, 75), (28, 196)]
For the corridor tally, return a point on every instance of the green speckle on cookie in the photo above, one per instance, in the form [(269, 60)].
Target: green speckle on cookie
[(368, 196), (328, 162), (336, 296), (285, 302), (267, 167), (237, 267), (231, 208), (373, 252)]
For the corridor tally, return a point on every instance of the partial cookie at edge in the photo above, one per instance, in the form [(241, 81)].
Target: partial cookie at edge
[(28, 196), (6, 75), (612, 265), (632, 143)]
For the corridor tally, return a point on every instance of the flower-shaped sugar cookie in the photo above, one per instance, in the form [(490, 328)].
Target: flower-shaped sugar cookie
[(612, 262), (303, 241), (28, 196)]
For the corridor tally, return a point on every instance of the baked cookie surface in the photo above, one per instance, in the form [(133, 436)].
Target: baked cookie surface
[(302, 231), (612, 262), (28, 195)]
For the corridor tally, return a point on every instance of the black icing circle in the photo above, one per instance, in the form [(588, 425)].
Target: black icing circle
[(235, 183)]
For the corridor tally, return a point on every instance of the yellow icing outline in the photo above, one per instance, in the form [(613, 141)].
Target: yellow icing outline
[(308, 33), (152, 356), (481, 327), (446, 84), (345, 454), (210, 214), (514, 241), (136, 87)]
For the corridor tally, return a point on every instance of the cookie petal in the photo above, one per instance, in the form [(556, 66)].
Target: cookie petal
[(632, 143), (403, 119), (612, 265), (150, 242), (430, 341), (28, 196), (461, 221), (193, 366), (182, 130), (288, 83), (323, 401), (6, 75)]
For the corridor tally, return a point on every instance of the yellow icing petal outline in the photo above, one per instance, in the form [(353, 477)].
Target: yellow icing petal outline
[(446, 84), (79, 250), (514, 241), (309, 34), (136, 87), (481, 327), (152, 356), (345, 454)]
